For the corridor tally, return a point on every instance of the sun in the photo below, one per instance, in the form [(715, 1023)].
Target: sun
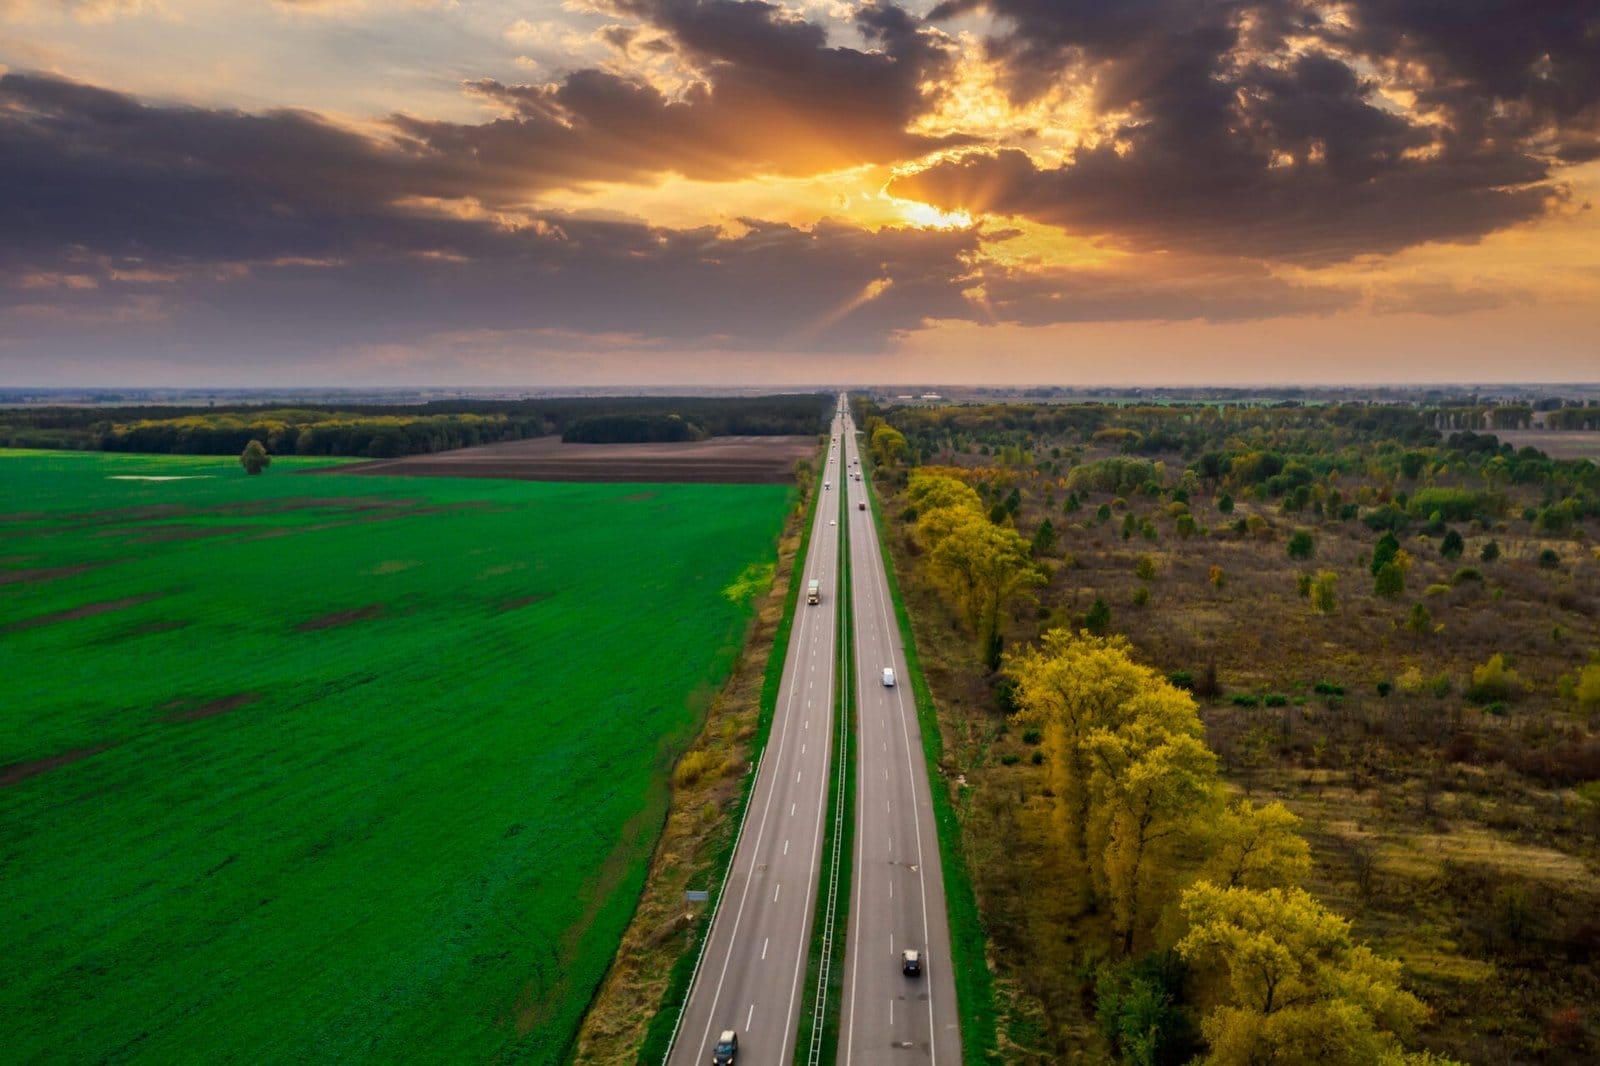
[(926, 216)]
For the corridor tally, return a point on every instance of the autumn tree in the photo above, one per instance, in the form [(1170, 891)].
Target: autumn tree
[(1291, 985), (888, 445), (982, 568), (1256, 847)]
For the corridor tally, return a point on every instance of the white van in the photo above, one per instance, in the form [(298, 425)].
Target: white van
[(888, 677)]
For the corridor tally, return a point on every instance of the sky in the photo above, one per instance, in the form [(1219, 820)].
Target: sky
[(714, 192)]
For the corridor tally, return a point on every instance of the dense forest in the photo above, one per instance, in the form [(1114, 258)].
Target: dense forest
[(382, 432), (1275, 729)]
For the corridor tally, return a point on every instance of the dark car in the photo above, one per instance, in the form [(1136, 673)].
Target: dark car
[(726, 1050), (911, 963)]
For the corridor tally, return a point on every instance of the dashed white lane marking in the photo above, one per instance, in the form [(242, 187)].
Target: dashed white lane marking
[(775, 891), (791, 810), (797, 774), (764, 944), (891, 1013), (802, 749), (891, 890), (786, 847), (750, 1014)]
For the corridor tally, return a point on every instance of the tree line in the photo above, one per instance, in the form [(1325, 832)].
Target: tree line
[(375, 431)]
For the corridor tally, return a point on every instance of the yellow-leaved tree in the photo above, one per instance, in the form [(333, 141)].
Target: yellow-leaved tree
[(1256, 847), (1289, 983)]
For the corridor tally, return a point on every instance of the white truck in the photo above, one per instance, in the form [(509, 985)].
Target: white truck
[(813, 591)]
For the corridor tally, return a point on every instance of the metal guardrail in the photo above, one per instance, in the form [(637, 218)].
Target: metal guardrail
[(841, 749)]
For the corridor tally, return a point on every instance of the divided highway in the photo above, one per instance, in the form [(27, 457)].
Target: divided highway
[(750, 975), (897, 897)]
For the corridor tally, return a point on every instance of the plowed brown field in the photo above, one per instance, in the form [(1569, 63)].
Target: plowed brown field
[(723, 460)]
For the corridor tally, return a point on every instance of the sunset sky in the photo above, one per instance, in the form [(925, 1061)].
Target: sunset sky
[(330, 192)]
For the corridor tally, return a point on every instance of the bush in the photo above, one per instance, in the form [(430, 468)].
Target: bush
[(1245, 699), (1419, 621), (1490, 552), (1384, 688), (1098, 620), (1141, 596), (1145, 568), (1275, 699), (1225, 503), (1390, 582), (1323, 597), (1452, 545), (1038, 758), (1495, 682), (1010, 758), (1327, 688), (1549, 559), (1465, 574), (1032, 736), (1301, 546), (1383, 553), (1139, 1008), (1181, 679)]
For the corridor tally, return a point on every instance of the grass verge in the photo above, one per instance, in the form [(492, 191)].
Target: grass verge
[(838, 840), (975, 1001)]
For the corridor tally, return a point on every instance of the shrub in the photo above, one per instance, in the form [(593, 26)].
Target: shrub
[(694, 766), (1327, 688), (1549, 559), (1323, 597), (1010, 758), (1490, 552), (1181, 679), (1032, 736), (1245, 699), (1384, 552), (1225, 503), (1141, 596), (1384, 688), (1145, 568), (1452, 545), (1390, 582), (1098, 620), (1494, 682), (1465, 574), (1275, 699), (1301, 545), (1419, 621), (1217, 578)]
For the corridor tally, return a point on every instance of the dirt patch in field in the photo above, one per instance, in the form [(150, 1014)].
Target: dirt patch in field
[(88, 610), (209, 708), (720, 460), (343, 618), (42, 573), (21, 771), (515, 602), (1556, 443)]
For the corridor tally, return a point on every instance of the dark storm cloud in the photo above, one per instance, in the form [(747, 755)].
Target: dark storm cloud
[(1238, 143), (116, 212), (774, 99)]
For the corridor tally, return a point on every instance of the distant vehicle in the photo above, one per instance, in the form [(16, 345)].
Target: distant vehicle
[(813, 591), (726, 1050), (888, 677), (862, 505), (911, 963), (833, 521), (827, 485)]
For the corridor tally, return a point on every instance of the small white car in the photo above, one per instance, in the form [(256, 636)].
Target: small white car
[(888, 677)]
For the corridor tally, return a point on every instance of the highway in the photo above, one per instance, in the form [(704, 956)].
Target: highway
[(897, 896), (750, 975)]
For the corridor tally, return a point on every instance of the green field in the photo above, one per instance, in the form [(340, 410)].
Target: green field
[(327, 768)]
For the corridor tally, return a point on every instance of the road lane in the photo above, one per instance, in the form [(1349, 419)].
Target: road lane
[(749, 975), (897, 896)]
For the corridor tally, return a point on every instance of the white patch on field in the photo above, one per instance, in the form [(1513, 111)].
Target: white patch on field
[(156, 477)]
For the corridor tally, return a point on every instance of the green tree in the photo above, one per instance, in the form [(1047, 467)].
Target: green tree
[(255, 458), (1044, 538), (888, 445), (1301, 545), (1098, 620), (1391, 580), (983, 568), (1387, 547), (1452, 545), (1490, 551), (1419, 621)]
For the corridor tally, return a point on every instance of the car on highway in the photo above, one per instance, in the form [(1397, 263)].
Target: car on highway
[(862, 505), (888, 677), (911, 963), (726, 1050)]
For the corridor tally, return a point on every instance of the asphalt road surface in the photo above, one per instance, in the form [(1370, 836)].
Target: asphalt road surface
[(751, 973), (897, 898)]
